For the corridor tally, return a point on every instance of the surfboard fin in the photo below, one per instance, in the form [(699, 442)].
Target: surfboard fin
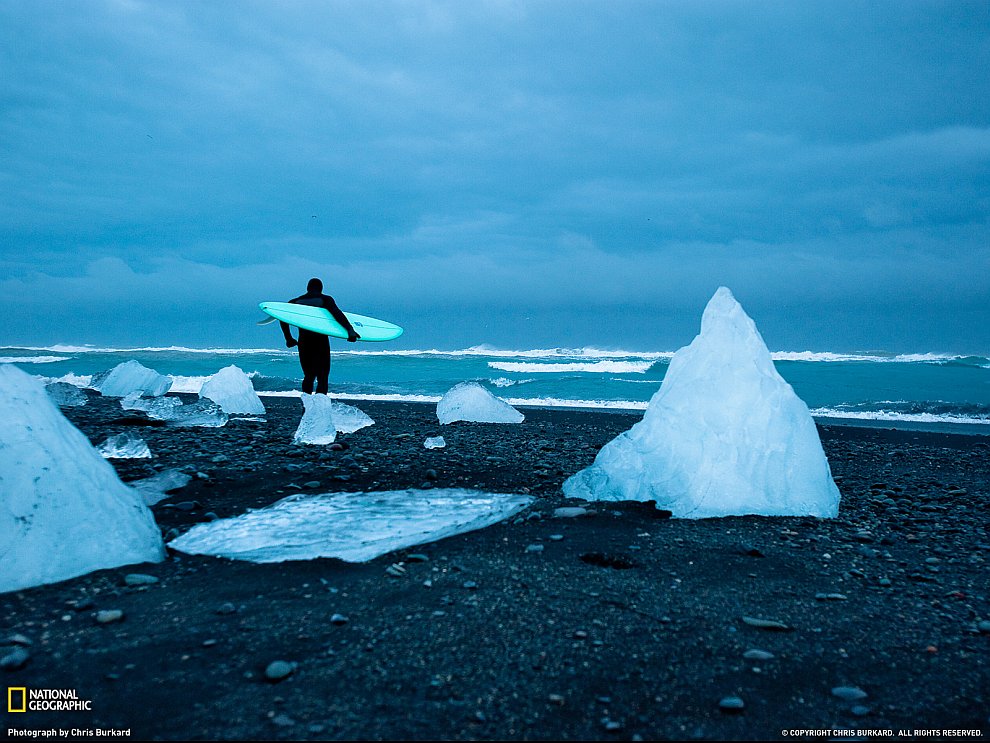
[(266, 321)]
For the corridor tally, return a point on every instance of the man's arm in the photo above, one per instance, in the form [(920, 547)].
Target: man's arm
[(290, 342), (340, 317)]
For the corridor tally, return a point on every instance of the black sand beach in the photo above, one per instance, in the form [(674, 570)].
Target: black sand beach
[(624, 626)]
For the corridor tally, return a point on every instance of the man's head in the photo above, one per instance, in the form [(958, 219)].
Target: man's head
[(314, 285)]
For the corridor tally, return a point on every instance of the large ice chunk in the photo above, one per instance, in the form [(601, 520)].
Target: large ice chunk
[(724, 435), (231, 389), (355, 527), (125, 446), (63, 511), (131, 376), (469, 401), (65, 395), (323, 418)]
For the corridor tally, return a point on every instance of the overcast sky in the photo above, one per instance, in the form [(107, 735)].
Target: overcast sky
[(527, 174)]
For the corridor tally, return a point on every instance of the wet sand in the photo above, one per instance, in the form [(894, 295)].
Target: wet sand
[(625, 625)]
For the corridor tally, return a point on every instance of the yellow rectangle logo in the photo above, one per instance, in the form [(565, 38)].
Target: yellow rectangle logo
[(12, 692)]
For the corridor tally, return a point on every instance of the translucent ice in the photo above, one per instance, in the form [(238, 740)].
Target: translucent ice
[(324, 418), (203, 412), (434, 442), (65, 395), (128, 377), (724, 435), (355, 527), (125, 446), (231, 389), (160, 486), (63, 511), (469, 401)]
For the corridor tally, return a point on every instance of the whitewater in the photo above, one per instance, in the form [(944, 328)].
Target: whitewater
[(918, 390)]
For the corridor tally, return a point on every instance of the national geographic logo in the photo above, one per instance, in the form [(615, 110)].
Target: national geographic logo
[(22, 699)]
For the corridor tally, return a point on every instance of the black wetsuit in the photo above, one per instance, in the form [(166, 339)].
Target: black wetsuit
[(314, 348)]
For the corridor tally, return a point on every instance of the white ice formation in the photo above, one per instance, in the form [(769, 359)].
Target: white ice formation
[(724, 435), (203, 412), (324, 418), (125, 446), (65, 395), (231, 389), (131, 376), (469, 401), (63, 510), (354, 527), (160, 486), (434, 442)]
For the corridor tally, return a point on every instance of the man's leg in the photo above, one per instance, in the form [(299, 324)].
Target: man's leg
[(323, 376), (309, 370)]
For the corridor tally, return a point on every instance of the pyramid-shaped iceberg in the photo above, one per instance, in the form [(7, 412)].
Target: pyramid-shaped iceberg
[(724, 435)]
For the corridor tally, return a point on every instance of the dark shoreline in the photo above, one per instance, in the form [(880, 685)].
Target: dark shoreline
[(507, 643)]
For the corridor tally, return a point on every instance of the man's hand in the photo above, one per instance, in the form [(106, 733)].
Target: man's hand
[(352, 336), (291, 343)]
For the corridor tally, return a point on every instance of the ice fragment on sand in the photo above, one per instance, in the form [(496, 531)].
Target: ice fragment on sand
[(125, 446), (158, 487), (355, 527), (131, 376), (323, 418), (205, 413), (724, 435), (469, 401), (231, 389), (65, 395), (63, 510), (434, 442)]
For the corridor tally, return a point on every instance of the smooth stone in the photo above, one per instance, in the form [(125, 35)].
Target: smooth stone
[(311, 484), (108, 616), (417, 557), (339, 620), (18, 639), (569, 512), (279, 669), (227, 608), (849, 693), (984, 626), (556, 537), (534, 548), (139, 579), (731, 704), (758, 655), (15, 659), (768, 624)]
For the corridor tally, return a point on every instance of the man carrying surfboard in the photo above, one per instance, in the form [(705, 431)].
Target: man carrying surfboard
[(314, 348)]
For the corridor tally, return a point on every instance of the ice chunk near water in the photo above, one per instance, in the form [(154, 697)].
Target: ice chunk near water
[(323, 419), (65, 395), (131, 376), (724, 435), (469, 401), (231, 389), (63, 510), (434, 442), (355, 527), (160, 486), (125, 446), (205, 413)]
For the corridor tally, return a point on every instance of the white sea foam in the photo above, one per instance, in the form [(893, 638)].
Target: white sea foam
[(894, 417), (594, 367), (32, 359), (506, 382)]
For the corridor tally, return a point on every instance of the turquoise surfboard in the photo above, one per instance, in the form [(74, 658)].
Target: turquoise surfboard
[(320, 321)]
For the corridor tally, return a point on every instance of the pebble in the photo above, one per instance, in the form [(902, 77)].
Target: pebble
[(227, 608), (984, 626), (831, 596), (470, 585), (556, 537), (534, 548), (860, 711), (849, 693), (15, 659), (758, 655), (612, 726), (768, 624), (731, 704), (279, 669), (569, 512), (283, 721), (339, 620), (312, 484), (396, 570), (108, 616), (431, 475), (417, 557), (18, 639), (139, 579), (885, 582)]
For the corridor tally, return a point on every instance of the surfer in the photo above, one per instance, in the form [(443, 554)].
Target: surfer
[(314, 348)]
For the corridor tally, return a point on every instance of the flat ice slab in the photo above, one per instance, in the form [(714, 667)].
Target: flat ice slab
[(203, 412), (65, 395), (469, 401), (158, 487), (231, 389), (724, 435), (355, 527), (131, 376), (434, 442), (63, 510), (323, 418)]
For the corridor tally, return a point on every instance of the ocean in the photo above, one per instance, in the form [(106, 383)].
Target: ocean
[(924, 390)]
